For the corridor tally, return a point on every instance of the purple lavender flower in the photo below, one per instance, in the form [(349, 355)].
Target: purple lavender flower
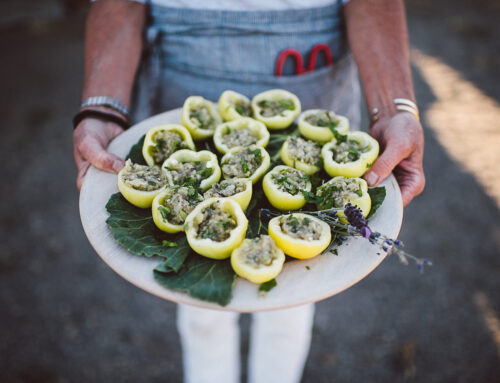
[(358, 226), (356, 219)]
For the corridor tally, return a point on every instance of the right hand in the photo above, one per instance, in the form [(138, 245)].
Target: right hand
[(90, 141), (401, 139)]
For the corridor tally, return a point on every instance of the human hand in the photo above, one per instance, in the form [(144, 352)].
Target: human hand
[(401, 141), (90, 140)]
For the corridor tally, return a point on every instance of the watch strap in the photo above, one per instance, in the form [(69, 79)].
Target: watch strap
[(104, 116), (110, 102)]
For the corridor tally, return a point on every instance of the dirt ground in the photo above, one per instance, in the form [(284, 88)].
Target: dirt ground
[(67, 317)]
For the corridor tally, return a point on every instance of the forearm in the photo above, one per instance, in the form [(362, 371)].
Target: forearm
[(378, 39), (113, 45)]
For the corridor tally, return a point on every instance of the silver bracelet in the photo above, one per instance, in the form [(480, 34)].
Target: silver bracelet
[(106, 101)]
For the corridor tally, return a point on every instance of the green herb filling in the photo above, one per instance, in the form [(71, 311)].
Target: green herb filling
[(290, 181), (270, 108), (300, 227), (215, 223)]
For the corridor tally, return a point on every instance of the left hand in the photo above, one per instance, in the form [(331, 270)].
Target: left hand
[(401, 142)]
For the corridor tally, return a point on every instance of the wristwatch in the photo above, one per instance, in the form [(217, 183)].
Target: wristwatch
[(110, 102)]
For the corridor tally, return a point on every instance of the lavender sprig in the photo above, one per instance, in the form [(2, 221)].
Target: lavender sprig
[(356, 226)]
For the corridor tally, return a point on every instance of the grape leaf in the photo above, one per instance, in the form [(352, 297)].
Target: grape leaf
[(377, 196), (134, 229), (257, 202), (200, 277), (135, 154), (276, 140)]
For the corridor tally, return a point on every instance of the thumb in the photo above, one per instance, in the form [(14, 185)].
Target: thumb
[(384, 165), (94, 152)]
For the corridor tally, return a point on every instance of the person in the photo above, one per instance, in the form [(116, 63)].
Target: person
[(152, 56)]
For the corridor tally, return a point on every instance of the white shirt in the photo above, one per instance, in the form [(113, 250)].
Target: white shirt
[(243, 5)]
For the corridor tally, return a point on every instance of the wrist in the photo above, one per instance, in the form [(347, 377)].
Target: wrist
[(389, 110), (102, 114), (105, 109), (108, 102)]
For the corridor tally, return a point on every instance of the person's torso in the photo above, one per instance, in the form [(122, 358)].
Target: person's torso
[(206, 51), (242, 5)]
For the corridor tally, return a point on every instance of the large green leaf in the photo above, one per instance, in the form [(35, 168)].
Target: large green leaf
[(134, 229), (200, 277), (377, 196), (135, 153)]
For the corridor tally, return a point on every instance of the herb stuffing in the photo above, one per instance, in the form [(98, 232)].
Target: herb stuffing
[(335, 194), (189, 172), (239, 137), (243, 163), (348, 151), (243, 108), (307, 151), (226, 188), (166, 143), (179, 202), (290, 180), (300, 227), (201, 117), (142, 177), (215, 223), (323, 119), (259, 251), (269, 108)]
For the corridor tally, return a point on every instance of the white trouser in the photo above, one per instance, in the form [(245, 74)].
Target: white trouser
[(210, 339)]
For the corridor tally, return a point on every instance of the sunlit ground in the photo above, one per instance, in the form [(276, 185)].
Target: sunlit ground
[(467, 124), (465, 121)]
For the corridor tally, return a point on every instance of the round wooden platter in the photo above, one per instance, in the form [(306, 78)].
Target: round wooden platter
[(324, 276)]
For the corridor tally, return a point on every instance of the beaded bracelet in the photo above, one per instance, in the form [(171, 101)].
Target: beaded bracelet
[(105, 116)]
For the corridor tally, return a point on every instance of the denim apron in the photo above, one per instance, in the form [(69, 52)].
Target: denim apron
[(204, 52)]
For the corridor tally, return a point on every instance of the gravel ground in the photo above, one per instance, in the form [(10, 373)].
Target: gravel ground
[(67, 317)]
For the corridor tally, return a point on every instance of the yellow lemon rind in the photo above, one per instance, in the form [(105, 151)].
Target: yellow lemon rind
[(196, 132), (279, 121), (186, 155), (149, 142), (279, 199), (355, 168), (226, 108), (160, 223), (261, 274), (300, 165), (212, 249), (299, 248), (259, 172), (139, 198), (256, 127), (318, 133)]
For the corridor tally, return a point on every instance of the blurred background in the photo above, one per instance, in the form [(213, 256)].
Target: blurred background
[(66, 317)]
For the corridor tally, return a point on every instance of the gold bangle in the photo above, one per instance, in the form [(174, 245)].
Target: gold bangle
[(405, 108), (402, 105), (405, 105)]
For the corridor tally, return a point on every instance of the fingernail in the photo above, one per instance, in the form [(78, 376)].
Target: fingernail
[(117, 165), (371, 178)]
